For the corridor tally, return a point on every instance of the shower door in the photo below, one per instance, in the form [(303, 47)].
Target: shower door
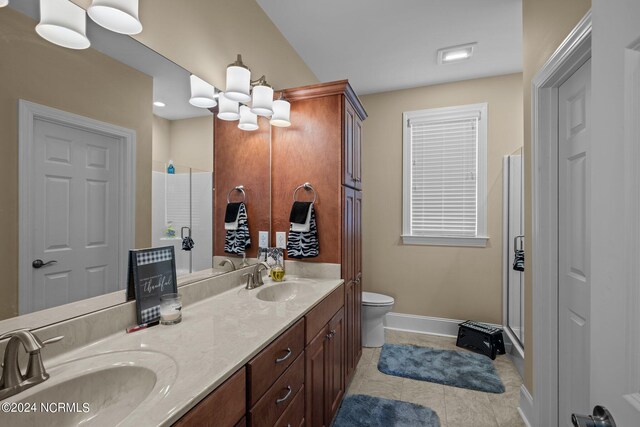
[(514, 239), (183, 207)]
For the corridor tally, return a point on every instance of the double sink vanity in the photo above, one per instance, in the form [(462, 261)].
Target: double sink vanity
[(274, 355)]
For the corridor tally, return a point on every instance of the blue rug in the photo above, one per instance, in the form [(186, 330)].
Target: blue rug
[(455, 368), (359, 410)]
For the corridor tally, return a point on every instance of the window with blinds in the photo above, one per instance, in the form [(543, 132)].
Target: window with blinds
[(445, 176)]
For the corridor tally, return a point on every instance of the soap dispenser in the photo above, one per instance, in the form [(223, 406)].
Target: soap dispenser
[(277, 271), (171, 169)]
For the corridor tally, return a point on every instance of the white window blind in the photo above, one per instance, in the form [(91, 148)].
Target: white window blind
[(444, 164), (444, 174)]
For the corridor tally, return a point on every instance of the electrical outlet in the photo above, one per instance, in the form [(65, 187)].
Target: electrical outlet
[(281, 239), (263, 239)]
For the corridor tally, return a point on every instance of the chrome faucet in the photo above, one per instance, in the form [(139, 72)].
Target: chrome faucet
[(13, 382), (257, 273), (227, 261), (250, 283)]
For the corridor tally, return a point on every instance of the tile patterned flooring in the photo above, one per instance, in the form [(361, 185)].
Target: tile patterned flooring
[(456, 407)]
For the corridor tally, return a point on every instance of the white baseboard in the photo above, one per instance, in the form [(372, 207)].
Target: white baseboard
[(526, 406), (424, 324)]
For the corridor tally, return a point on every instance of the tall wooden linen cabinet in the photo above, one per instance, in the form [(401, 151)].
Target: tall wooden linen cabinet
[(323, 146)]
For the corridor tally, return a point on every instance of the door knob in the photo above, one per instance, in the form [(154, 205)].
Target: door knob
[(38, 263), (601, 418)]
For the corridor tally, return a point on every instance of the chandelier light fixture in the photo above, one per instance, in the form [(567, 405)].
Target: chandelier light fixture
[(119, 16), (238, 81), (63, 23), (203, 94), (262, 104), (248, 120), (242, 90), (228, 110), (281, 112)]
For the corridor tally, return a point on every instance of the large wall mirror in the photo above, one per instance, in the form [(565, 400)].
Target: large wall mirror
[(102, 153)]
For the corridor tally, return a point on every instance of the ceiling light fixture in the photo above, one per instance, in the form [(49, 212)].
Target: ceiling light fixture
[(241, 90), (120, 16), (159, 104), (228, 110), (281, 112), (248, 120), (262, 104), (238, 81), (63, 23), (455, 53), (202, 93)]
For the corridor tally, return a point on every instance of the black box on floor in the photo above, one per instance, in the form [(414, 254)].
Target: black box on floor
[(481, 338)]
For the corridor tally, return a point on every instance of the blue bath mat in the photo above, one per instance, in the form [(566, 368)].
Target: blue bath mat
[(359, 410), (455, 368)]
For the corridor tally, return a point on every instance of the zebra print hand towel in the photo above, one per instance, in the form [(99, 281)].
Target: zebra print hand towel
[(237, 241), (304, 244)]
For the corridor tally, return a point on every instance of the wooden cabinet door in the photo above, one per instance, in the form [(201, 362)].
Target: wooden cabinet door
[(357, 273), (316, 376), (357, 152), (357, 324), (348, 206), (335, 361), (223, 407), (350, 336), (348, 132), (357, 234)]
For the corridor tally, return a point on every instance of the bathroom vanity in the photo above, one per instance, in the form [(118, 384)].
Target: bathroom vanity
[(274, 355), (298, 379)]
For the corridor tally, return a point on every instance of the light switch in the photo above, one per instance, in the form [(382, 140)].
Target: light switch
[(281, 239), (263, 239)]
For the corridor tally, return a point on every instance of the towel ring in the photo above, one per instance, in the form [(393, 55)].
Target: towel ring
[(307, 186), (239, 188)]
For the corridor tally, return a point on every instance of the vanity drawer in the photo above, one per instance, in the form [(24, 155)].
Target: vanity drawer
[(294, 415), (223, 407), (267, 366), (279, 397), (320, 315)]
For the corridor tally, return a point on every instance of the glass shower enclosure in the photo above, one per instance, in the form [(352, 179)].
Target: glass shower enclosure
[(182, 206), (513, 242)]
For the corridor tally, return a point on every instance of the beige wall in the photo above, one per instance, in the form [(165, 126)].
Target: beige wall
[(545, 23), (188, 142), (161, 151), (204, 37), (449, 282), (87, 83)]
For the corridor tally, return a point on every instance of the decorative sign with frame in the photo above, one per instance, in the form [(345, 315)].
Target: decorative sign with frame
[(152, 273)]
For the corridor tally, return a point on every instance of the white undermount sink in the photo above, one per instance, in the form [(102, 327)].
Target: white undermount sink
[(285, 291), (97, 390)]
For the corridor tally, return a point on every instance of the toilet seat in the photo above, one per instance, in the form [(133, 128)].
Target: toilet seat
[(376, 300)]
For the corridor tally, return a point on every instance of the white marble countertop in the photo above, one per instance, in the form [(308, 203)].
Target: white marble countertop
[(216, 337)]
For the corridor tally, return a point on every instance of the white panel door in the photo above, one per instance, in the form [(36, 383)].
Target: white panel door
[(75, 220), (615, 207), (574, 137)]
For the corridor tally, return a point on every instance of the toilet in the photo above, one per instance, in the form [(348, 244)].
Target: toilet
[(374, 308)]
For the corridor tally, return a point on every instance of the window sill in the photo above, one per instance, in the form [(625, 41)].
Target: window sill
[(474, 242)]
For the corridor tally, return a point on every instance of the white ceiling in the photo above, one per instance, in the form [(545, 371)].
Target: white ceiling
[(382, 45)]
